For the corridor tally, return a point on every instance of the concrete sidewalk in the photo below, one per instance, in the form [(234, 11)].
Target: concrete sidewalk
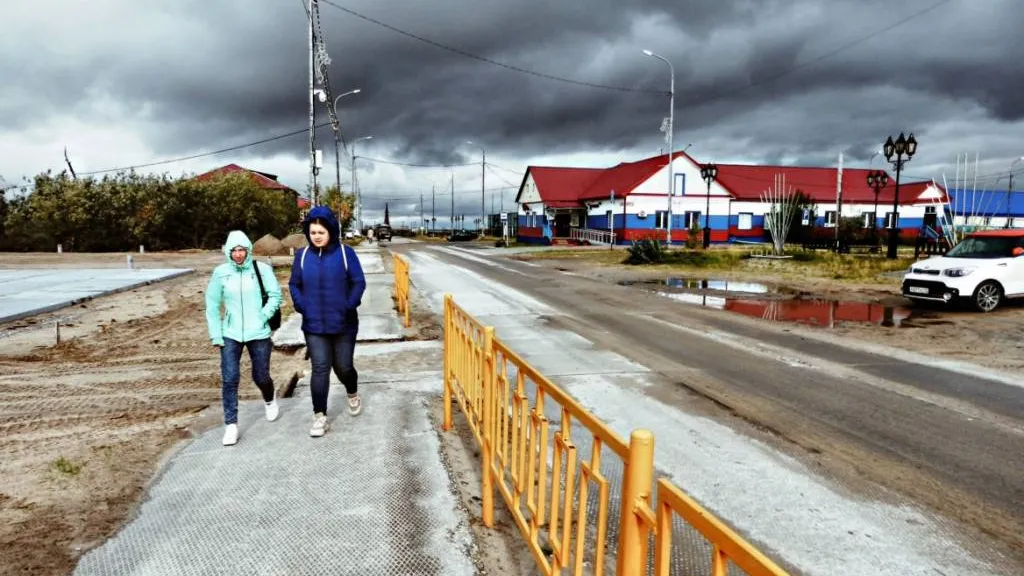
[(377, 319), (371, 497)]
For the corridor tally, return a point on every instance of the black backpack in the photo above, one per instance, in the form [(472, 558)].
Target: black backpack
[(275, 320)]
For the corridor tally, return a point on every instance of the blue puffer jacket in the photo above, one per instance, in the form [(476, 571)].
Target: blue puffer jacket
[(327, 284)]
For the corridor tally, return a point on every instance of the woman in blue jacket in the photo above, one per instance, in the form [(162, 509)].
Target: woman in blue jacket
[(245, 324), (327, 286)]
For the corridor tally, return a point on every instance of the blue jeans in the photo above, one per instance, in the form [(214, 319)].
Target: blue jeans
[(230, 373), (328, 351)]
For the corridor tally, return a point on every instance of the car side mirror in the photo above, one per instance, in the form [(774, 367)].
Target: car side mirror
[(1018, 251)]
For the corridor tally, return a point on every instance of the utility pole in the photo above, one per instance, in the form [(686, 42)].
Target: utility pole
[(312, 112), (839, 200), (453, 202), (433, 215), (421, 212), (483, 178)]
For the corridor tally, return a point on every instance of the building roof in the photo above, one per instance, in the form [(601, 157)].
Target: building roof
[(569, 187), (562, 187), (265, 180), (623, 178), (747, 183)]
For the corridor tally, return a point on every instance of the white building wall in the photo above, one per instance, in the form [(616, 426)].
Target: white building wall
[(530, 195), (693, 185)]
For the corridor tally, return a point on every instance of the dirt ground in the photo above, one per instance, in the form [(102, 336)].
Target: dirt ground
[(994, 340), (85, 423)]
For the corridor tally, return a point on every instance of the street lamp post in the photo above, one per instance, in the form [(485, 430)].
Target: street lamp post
[(708, 172), (355, 189), (671, 132), (322, 95), (1009, 191), (483, 178), (877, 179), (897, 153)]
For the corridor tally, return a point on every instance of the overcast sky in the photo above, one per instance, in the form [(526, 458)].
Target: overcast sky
[(777, 81)]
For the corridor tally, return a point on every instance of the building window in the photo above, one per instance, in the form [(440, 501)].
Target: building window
[(830, 218), (608, 219), (869, 217), (661, 219), (809, 217), (693, 218), (680, 185), (889, 220), (746, 221)]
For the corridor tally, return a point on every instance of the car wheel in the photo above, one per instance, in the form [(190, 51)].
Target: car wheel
[(987, 296)]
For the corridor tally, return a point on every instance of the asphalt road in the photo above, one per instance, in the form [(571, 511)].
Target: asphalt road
[(948, 441)]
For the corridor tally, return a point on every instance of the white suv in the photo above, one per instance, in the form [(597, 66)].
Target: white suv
[(985, 268)]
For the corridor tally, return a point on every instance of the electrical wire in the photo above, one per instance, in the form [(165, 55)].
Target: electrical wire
[(488, 60), (697, 101), (203, 154), (414, 165)]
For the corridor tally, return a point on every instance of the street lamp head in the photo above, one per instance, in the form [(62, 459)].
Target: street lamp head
[(648, 53), (911, 145), (901, 145), (889, 148)]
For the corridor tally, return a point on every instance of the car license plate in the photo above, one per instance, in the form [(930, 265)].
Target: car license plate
[(919, 289)]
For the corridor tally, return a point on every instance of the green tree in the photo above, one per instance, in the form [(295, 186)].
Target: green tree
[(342, 204)]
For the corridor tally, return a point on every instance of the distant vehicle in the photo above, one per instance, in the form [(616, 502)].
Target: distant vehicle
[(985, 269), (382, 232), (462, 236)]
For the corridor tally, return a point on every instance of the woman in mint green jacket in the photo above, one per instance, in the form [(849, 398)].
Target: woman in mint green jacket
[(245, 323)]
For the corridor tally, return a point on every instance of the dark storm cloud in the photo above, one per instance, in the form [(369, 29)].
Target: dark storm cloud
[(206, 75)]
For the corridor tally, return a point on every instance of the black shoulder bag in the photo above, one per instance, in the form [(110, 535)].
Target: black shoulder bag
[(275, 320)]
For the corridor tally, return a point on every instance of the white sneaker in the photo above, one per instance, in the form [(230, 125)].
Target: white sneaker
[(355, 405), (230, 434), (320, 425), (272, 409)]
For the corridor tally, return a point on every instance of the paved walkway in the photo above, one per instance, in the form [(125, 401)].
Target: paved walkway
[(370, 497), (377, 319)]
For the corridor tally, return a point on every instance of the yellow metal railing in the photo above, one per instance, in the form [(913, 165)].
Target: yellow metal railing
[(534, 468), (402, 287)]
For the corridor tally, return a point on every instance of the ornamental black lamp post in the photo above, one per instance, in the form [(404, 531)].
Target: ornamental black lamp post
[(708, 172), (877, 179), (897, 153)]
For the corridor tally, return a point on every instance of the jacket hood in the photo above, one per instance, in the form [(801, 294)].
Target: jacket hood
[(238, 238), (333, 229)]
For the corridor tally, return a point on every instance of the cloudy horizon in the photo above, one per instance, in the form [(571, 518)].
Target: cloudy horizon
[(776, 83)]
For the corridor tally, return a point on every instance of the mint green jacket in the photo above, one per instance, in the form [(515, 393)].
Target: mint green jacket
[(234, 287)]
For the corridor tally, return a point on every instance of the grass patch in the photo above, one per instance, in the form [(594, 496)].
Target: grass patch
[(848, 266), (67, 467)]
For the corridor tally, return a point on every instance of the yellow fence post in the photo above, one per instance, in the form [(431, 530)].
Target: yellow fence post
[(638, 478), (487, 453), (447, 363)]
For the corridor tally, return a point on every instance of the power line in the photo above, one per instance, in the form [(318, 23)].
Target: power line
[(413, 165), (698, 101), (819, 58), (488, 60), (203, 154)]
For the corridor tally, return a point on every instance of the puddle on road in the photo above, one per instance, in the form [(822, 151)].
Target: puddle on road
[(819, 313), (707, 284), (740, 298)]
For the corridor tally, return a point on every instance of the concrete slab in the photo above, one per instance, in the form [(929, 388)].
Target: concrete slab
[(378, 320), (26, 293), (370, 497)]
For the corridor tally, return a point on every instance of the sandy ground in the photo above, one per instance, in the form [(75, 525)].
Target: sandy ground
[(994, 340), (85, 424)]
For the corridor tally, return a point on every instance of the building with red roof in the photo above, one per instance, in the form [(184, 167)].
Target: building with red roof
[(265, 180), (629, 199)]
